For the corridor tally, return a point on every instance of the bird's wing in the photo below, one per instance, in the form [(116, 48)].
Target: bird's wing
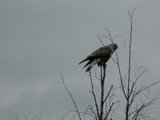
[(97, 54)]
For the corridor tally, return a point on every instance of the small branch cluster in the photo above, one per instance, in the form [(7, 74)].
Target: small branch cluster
[(101, 112), (103, 105), (129, 87)]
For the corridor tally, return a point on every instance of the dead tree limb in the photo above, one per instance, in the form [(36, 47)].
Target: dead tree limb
[(93, 94), (71, 96)]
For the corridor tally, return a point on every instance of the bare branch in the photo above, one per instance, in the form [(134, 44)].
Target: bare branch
[(130, 51), (93, 94), (117, 63), (110, 109), (108, 93), (103, 75), (114, 60), (130, 13), (134, 83), (143, 89), (144, 105), (92, 114), (70, 94), (129, 65), (120, 75), (68, 112), (109, 35), (139, 111), (100, 39)]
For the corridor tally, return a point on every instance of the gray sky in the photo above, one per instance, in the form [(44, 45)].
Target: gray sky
[(40, 37)]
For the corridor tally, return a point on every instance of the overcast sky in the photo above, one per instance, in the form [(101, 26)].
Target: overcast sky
[(40, 37)]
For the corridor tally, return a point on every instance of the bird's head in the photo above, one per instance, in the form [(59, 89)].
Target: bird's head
[(114, 46)]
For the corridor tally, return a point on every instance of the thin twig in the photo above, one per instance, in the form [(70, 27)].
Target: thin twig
[(120, 75), (117, 63), (108, 93), (134, 83), (144, 88), (92, 114), (138, 112), (100, 40), (110, 109)]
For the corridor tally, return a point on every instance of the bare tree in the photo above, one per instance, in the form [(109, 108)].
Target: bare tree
[(103, 105), (133, 110), (98, 110)]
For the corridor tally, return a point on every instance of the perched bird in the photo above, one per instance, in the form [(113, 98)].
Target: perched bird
[(100, 56)]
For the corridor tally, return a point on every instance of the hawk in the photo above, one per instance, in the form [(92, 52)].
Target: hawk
[(99, 56)]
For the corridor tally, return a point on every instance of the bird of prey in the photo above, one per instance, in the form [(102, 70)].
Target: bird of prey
[(99, 56)]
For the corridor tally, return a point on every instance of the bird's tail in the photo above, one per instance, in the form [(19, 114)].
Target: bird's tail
[(82, 61), (92, 64)]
